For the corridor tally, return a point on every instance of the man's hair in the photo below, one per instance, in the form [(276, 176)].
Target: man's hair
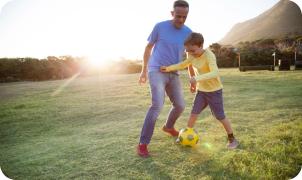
[(181, 3), (194, 39)]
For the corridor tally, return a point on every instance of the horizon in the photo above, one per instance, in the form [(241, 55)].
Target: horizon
[(81, 28)]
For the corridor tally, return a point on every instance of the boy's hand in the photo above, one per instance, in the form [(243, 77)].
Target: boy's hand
[(193, 80), (163, 69), (192, 88)]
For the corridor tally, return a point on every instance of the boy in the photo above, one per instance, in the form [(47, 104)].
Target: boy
[(209, 85)]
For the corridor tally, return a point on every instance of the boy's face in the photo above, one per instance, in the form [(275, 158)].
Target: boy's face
[(193, 50)]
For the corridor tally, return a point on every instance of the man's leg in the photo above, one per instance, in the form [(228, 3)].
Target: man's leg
[(174, 91), (157, 82)]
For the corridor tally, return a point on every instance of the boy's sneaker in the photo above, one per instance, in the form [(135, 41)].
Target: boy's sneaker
[(233, 145), (142, 150), (172, 131)]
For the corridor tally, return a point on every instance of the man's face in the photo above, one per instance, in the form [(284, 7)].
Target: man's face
[(193, 50), (179, 16)]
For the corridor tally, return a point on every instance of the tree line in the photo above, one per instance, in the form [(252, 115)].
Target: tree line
[(258, 52), (52, 68), (32, 69)]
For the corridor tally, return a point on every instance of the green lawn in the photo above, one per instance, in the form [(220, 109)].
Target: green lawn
[(90, 128)]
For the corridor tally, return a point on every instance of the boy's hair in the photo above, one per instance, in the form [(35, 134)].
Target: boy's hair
[(194, 39), (181, 3)]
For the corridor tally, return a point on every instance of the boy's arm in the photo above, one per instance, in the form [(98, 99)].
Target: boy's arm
[(179, 66), (191, 73)]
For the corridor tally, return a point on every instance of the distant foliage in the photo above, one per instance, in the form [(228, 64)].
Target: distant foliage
[(258, 52), (53, 68), (31, 69), (251, 54), (125, 67)]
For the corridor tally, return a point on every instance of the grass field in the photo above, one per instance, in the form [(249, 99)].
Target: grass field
[(89, 129)]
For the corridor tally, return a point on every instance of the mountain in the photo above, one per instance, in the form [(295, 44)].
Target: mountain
[(283, 19)]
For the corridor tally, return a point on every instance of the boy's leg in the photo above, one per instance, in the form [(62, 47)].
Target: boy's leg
[(215, 101), (199, 105), (192, 120), (227, 125), (175, 94), (157, 82), (233, 143)]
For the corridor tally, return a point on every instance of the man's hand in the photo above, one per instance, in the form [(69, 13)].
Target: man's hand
[(142, 78), (163, 69), (192, 88)]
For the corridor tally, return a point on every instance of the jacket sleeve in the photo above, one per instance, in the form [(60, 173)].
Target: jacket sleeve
[(179, 66)]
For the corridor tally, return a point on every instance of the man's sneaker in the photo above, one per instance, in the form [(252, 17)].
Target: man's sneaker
[(233, 145), (171, 131), (142, 150)]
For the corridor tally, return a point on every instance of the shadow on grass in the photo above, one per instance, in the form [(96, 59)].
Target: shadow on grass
[(151, 168), (203, 161), (217, 170)]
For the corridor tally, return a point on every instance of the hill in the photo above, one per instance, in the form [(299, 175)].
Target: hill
[(283, 19)]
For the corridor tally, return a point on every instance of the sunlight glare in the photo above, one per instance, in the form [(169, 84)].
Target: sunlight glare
[(207, 145), (95, 62), (98, 62), (62, 87)]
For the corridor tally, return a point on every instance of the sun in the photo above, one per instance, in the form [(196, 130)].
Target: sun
[(95, 62), (98, 63)]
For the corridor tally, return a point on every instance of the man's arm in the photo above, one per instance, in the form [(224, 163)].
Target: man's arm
[(147, 53)]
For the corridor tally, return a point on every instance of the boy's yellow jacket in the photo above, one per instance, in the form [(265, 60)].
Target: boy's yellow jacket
[(206, 71)]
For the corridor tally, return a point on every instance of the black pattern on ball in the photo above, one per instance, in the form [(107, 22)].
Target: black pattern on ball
[(180, 139), (190, 137)]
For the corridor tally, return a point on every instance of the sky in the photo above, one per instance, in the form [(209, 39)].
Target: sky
[(109, 30)]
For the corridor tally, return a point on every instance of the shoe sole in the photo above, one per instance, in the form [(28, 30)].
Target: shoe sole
[(168, 133), (234, 147), (143, 155)]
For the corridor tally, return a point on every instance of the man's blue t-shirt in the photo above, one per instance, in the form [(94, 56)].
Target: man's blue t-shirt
[(169, 44)]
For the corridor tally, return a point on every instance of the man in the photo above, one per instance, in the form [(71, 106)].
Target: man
[(166, 42)]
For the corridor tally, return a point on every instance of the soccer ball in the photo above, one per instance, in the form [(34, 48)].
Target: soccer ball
[(188, 137)]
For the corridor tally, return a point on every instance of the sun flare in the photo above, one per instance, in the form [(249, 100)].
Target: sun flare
[(95, 62), (98, 63)]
